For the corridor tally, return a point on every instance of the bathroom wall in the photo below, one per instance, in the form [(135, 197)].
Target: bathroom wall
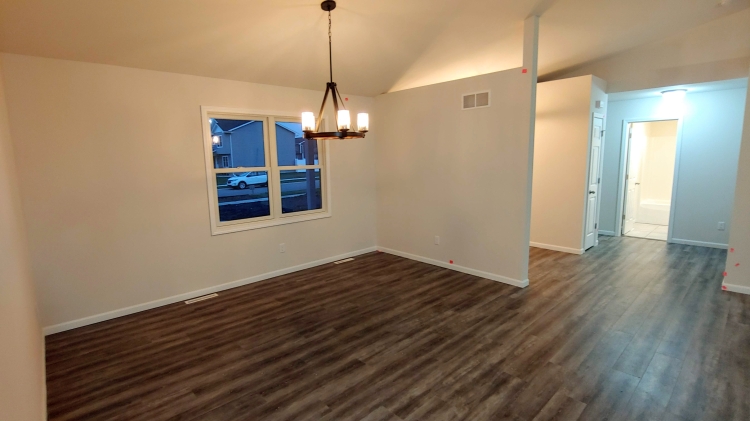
[(657, 171)]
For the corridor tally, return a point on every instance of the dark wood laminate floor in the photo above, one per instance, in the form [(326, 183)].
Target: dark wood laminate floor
[(633, 330)]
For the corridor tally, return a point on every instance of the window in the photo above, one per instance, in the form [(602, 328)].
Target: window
[(263, 172)]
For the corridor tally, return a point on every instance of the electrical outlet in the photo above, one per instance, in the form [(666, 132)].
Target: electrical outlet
[(282, 248), (437, 240), (722, 226)]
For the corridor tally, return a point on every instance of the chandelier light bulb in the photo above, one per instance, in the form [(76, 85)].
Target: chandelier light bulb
[(308, 122), (344, 120), (363, 122)]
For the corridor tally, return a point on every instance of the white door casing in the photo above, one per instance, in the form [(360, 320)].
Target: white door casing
[(591, 229)]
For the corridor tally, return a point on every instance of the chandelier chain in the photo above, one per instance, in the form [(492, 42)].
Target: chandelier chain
[(330, 49)]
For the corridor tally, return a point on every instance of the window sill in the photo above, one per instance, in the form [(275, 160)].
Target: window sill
[(246, 226)]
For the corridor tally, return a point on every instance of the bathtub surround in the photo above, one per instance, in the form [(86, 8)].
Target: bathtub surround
[(654, 211), (707, 160)]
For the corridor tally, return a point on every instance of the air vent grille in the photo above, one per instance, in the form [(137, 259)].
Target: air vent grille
[(470, 101), (476, 100)]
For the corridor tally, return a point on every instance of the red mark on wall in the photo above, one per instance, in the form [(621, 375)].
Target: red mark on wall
[(346, 99), (524, 71), (724, 287), (731, 250), (451, 261), (725, 274), (737, 265)]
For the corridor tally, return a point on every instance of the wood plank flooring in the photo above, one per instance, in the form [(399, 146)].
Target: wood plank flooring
[(632, 330)]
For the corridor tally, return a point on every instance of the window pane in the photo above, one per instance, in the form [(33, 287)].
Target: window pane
[(292, 148), (237, 143), (300, 191), (242, 195)]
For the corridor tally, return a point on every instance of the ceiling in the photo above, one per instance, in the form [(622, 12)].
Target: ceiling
[(691, 89), (378, 46)]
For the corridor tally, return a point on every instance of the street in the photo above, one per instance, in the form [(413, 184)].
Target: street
[(293, 187)]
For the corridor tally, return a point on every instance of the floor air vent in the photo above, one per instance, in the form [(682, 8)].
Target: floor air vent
[(203, 298), (343, 261)]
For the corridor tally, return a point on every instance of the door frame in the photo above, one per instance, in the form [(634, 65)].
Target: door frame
[(603, 117), (624, 150)]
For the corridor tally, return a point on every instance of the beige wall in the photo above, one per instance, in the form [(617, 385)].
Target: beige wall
[(457, 174), (561, 156), (22, 388), (111, 169), (738, 277)]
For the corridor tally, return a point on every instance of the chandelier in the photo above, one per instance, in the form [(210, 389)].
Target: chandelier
[(311, 125)]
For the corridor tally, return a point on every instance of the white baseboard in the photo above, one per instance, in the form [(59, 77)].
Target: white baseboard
[(699, 243), (737, 288), (475, 272), (49, 330), (607, 233), (556, 248)]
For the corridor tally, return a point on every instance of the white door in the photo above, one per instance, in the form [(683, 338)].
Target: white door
[(632, 182), (592, 202)]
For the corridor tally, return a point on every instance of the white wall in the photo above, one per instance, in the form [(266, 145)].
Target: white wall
[(456, 174), (112, 178), (707, 159), (738, 258), (561, 160), (22, 387)]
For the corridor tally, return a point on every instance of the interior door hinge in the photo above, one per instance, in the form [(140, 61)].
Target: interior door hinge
[(596, 226)]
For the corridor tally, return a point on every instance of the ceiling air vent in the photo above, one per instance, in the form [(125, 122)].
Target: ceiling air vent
[(476, 100)]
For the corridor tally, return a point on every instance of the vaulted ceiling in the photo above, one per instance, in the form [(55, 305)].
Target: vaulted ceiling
[(378, 46)]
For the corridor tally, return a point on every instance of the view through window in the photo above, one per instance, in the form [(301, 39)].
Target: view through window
[(260, 174)]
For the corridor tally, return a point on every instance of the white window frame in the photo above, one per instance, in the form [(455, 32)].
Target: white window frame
[(276, 218)]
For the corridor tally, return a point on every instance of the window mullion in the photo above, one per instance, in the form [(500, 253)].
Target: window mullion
[(274, 175)]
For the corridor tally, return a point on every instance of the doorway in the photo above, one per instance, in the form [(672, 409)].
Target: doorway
[(649, 179), (591, 224)]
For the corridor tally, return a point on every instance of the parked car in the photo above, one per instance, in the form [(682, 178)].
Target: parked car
[(254, 178)]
